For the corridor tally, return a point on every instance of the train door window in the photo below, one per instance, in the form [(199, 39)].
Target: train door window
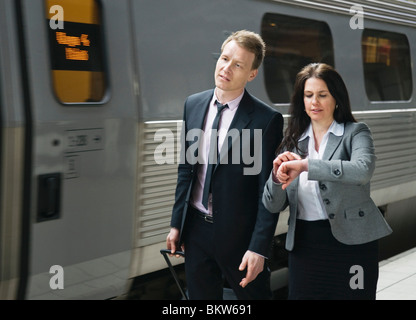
[(291, 44), (76, 50), (387, 65)]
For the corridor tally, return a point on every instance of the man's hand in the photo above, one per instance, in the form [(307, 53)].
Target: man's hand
[(172, 240), (254, 264)]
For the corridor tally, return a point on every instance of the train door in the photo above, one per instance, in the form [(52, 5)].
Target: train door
[(12, 154), (83, 147)]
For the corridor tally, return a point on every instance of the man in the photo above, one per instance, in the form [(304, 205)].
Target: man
[(228, 236)]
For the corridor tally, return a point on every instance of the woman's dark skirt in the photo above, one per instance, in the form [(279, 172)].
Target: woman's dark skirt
[(320, 267)]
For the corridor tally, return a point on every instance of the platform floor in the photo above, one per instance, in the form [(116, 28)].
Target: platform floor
[(397, 277)]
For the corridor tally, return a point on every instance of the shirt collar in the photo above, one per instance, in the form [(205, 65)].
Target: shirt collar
[(335, 128), (233, 104)]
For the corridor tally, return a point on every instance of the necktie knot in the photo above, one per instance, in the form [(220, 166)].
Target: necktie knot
[(220, 106)]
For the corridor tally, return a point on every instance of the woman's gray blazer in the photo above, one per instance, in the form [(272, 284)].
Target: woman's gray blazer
[(344, 175)]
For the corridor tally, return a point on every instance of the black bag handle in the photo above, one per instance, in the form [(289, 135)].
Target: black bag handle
[(165, 253)]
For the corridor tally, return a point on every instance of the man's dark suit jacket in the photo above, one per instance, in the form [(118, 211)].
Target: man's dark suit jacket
[(241, 222)]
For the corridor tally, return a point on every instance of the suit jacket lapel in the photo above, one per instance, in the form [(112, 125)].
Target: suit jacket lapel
[(331, 146), (196, 115), (303, 145), (192, 128)]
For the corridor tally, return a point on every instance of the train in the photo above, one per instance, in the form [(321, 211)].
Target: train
[(91, 100)]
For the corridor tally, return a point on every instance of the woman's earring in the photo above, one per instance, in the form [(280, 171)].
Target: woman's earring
[(336, 106)]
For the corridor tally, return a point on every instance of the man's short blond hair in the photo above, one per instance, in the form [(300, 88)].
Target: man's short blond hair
[(250, 41)]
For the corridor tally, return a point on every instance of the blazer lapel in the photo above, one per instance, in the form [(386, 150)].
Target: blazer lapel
[(303, 145), (331, 146), (192, 128), (196, 114)]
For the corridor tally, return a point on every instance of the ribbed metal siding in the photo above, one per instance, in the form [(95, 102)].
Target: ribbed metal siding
[(394, 137), (393, 11), (156, 185)]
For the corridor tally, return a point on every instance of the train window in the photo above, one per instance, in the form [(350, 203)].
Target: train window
[(292, 43), (76, 50), (387, 65)]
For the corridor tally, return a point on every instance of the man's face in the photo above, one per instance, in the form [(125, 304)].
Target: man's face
[(234, 68)]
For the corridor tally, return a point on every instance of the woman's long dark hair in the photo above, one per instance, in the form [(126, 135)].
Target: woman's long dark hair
[(299, 119)]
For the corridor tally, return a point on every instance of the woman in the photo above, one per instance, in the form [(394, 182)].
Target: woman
[(323, 174)]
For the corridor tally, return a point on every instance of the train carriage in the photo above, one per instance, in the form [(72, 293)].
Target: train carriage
[(91, 98)]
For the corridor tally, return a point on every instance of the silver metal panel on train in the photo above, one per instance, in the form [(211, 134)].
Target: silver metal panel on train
[(92, 146)]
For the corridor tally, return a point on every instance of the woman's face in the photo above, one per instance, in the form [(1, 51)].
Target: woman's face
[(319, 103)]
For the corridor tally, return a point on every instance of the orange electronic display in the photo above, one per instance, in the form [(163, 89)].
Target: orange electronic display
[(76, 47), (76, 51)]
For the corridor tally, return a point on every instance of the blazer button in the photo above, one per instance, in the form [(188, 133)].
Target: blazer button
[(361, 213), (326, 201), (337, 172), (323, 187), (331, 216)]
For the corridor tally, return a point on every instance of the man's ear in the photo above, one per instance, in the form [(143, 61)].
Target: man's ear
[(253, 74)]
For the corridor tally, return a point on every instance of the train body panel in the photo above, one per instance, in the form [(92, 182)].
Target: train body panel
[(91, 116), (82, 166)]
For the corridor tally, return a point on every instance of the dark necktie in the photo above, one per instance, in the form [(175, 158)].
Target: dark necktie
[(212, 156)]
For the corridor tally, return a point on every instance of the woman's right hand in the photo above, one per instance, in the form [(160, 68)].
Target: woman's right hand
[(290, 170), (283, 157)]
